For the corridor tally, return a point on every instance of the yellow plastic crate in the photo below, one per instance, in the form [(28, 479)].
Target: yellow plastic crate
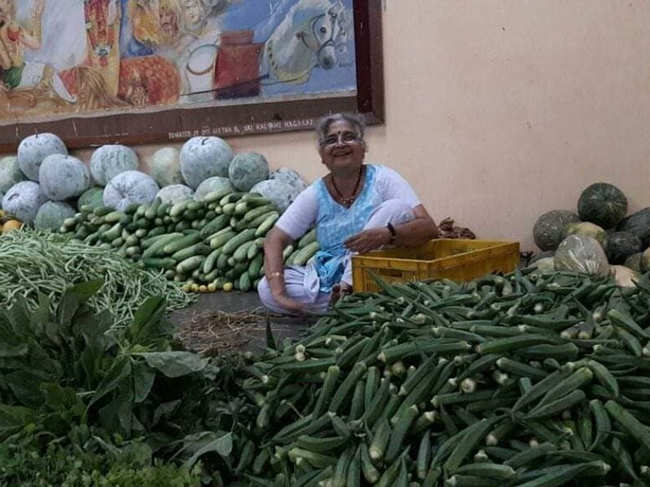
[(456, 259)]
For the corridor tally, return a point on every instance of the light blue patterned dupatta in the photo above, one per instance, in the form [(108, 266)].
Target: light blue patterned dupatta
[(335, 224)]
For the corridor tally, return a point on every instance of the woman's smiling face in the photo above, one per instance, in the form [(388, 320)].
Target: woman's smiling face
[(342, 146)]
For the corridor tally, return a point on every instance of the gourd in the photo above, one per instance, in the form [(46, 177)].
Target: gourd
[(204, 157), (110, 160), (63, 177), (51, 214), (579, 253), (545, 264), (635, 262), (549, 229), (34, 149), (291, 177), (11, 225), (247, 169), (215, 183), (92, 197), (165, 167), (130, 187), (624, 276), (645, 260), (603, 204), (175, 193), (620, 245), (588, 229), (639, 224), (281, 194), (10, 173), (23, 200)]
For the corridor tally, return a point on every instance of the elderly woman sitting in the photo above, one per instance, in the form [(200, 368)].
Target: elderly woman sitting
[(356, 208)]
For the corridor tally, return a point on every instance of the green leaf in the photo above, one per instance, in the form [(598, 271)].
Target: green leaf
[(148, 324), (174, 364), (164, 410), (120, 369), (19, 317), (13, 418), (143, 378), (41, 315), (221, 445), (74, 297), (117, 415), (270, 340), (8, 351), (93, 327), (26, 387)]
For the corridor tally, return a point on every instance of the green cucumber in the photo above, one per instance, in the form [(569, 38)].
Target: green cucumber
[(267, 224), (241, 238), (182, 242)]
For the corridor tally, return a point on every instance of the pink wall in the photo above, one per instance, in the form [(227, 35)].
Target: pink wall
[(499, 110)]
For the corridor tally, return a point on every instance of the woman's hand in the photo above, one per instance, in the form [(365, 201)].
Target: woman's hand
[(368, 240), (289, 304)]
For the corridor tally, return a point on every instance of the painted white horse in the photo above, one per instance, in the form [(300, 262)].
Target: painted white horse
[(307, 35), (313, 34)]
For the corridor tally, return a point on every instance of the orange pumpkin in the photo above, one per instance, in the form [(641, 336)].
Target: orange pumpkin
[(11, 225)]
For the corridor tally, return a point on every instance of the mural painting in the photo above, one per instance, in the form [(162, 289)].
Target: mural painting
[(62, 58)]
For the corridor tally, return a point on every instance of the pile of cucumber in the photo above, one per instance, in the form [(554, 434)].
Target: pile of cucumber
[(529, 379), (208, 245)]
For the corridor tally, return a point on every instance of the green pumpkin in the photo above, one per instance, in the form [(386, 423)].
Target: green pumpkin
[(550, 228), (603, 204), (620, 245)]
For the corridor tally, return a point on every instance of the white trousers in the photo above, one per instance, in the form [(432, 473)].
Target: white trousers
[(302, 282)]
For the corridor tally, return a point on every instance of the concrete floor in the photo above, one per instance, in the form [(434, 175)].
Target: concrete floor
[(235, 301)]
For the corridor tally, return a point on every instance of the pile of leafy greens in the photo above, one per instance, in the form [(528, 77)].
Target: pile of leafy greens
[(83, 402)]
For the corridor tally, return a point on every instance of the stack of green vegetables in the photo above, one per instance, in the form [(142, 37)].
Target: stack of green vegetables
[(530, 380), (215, 243), (41, 262)]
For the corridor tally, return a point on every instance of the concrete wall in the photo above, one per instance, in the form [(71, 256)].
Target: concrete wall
[(499, 110)]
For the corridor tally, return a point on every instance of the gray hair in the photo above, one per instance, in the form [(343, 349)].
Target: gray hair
[(323, 125)]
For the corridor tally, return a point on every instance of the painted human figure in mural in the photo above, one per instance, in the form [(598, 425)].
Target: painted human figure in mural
[(103, 31), (18, 73)]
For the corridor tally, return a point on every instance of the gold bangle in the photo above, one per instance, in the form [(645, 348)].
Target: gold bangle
[(273, 275)]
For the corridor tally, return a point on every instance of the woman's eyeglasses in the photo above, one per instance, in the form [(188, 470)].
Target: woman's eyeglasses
[(340, 138)]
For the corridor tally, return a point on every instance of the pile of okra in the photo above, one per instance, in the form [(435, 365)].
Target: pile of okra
[(529, 379)]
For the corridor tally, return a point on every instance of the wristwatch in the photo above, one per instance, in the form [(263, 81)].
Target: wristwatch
[(392, 231)]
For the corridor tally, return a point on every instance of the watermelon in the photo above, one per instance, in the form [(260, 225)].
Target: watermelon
[(23, 200), (63, 177), (247, 169), (165, 167), (204, 157), (620, 245), (215, 183), (10, 173), (34, 149), (281, 194), (579, 253), (603, 204), (290, 177), (130, 187), (110, 160), (175, 193), (93, 197), (550, 228), (51, 214)]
